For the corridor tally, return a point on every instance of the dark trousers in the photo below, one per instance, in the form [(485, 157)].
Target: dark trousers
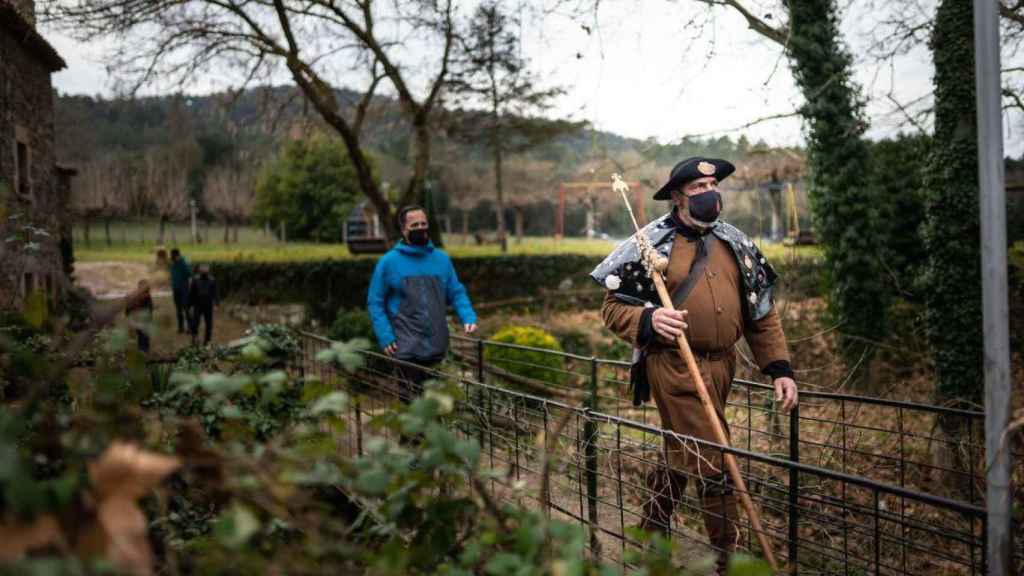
[(181, 309), (204, 313), (411, 378), (719, 503), (143, 340)]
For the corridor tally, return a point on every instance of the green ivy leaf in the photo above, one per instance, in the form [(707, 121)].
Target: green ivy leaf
[(333, 403), (468, 451), (373, 482)]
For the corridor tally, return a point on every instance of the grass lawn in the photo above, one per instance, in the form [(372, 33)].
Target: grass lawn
[(135, 243)]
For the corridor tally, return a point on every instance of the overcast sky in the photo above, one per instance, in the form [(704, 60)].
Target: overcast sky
[(642, 72)]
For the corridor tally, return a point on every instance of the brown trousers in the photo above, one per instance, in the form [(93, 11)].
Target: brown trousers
[(675, 394)]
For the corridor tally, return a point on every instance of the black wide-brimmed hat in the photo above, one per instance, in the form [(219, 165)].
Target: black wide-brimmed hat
[(691, 169)]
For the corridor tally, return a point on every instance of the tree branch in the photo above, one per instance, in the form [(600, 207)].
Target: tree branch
[(778, 35), (364, 102), (761, 120)]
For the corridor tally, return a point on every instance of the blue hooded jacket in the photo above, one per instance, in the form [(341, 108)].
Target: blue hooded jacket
[(408, 298)]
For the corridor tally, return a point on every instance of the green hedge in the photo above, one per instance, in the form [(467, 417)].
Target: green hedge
[(332, 285), (329, 286)]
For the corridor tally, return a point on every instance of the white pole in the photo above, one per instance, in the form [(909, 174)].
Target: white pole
[(995, 304)]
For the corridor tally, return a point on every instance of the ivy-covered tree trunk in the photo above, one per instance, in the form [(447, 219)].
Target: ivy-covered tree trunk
[(841, 195), (951, 283)]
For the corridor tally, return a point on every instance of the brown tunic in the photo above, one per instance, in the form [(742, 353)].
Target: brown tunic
[(716, 322)]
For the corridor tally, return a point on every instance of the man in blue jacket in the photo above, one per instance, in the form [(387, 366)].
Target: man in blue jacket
[(412, 286)]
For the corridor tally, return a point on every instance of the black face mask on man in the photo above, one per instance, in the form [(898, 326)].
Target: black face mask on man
[(706, 206), (419, 237)]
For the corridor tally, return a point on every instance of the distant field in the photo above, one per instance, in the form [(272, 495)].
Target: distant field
[(136, 243)]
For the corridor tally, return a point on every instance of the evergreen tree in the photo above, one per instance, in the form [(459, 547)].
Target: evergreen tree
[(491, 72), (952, 279), (843, 202), (311, 188)]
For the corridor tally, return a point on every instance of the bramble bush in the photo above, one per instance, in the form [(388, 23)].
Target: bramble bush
[(95, 471), (351, 323)]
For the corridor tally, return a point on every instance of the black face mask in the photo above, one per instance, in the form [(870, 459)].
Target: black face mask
[(705, 207), (419, 237)]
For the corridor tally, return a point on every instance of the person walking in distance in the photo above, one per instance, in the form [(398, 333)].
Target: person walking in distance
[(139, 310), (202, 297), (412, 286), (181, 273)]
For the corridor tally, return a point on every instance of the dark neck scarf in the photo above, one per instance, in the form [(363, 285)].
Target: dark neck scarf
[(689, 232)]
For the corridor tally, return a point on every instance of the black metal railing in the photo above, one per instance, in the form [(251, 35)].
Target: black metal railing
[(896, 442), (821, 520)]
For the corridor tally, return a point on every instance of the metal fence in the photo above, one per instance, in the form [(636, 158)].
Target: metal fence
[(901, 443), (820, 520)]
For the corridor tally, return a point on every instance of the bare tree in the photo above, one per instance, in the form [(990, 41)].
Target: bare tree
[(229, 192), (461, 181), (177, 40), (491, 72), (529, 181)]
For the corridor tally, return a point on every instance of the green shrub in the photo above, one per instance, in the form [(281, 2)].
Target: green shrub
[(527, 363), (350, 324), (310, 187)]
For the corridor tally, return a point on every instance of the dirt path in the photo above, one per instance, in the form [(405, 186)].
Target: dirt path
[(111, 281)]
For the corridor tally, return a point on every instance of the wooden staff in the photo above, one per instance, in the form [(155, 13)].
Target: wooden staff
[(654, 269)]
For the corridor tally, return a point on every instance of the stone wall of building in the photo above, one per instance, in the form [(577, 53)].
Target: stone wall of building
[(27, 9), (27, 115)]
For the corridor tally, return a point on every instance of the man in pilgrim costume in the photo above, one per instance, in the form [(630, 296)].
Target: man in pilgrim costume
[(721, 288)]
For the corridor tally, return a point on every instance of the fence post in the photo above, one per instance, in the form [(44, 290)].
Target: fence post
[(480, 360), (590, 450), (794, 490), (480, 393)]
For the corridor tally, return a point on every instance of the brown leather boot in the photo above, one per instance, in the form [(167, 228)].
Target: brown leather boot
[(665, 490), (721, 515)]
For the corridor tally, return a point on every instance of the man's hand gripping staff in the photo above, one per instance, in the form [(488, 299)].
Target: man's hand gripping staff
[(655, 266)]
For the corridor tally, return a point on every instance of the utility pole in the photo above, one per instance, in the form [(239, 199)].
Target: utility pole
[(995, 303)]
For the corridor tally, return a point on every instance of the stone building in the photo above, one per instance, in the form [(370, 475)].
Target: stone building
[(33, 189)]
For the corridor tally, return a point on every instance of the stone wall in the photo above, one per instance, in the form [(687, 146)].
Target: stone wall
[(27, 9), (27, 113)]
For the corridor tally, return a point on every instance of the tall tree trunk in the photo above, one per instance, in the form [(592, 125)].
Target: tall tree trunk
[(234, 233), (163, 224), (85, 230), (952, 277), (841, 194), (106, 230), (415, 191), (499, 184), (323, 100), (227, 231), (519, 224)]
